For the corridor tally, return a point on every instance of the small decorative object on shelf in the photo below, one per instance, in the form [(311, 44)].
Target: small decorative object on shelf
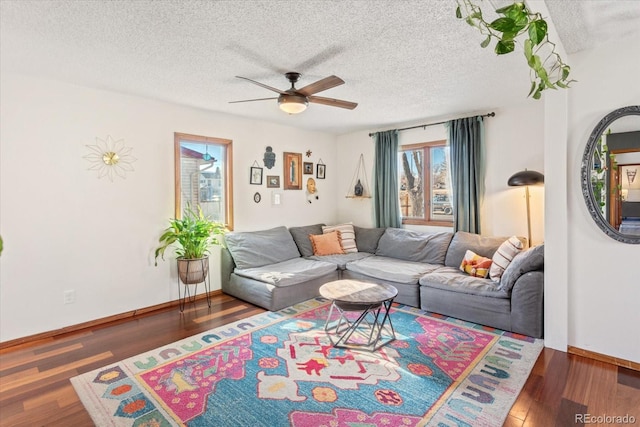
[(358, 189)]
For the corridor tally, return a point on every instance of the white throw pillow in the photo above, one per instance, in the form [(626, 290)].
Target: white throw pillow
[(347, 235), (503, 257)]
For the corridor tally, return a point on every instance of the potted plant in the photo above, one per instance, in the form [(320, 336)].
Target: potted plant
[(548, 70), (193, 234)]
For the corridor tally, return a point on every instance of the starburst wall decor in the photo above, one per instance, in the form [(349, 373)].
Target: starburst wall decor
[(110, 157)]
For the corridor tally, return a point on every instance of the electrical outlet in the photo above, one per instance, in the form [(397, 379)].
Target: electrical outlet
[(69, 296)]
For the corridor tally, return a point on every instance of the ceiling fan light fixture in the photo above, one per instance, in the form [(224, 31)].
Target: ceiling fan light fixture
[(293, 104)]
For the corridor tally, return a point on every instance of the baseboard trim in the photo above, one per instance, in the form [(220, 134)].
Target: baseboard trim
[(98, 322), (604, 358)]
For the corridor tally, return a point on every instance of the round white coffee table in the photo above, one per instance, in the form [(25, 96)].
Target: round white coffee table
[(370, 327)]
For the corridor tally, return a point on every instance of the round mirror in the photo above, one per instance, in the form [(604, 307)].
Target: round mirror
[(610, 174)]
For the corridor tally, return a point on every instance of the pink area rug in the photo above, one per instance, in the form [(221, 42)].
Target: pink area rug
[(279, 369)]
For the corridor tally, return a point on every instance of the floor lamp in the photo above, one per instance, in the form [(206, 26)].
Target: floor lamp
[(526, 178)]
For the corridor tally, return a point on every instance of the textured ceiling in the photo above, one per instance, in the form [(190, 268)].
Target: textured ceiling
[(401, 60)]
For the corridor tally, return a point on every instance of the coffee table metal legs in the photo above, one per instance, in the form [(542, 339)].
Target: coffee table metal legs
[(369, 331)]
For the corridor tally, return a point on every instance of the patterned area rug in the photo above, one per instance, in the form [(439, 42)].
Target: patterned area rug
[(279, 369)]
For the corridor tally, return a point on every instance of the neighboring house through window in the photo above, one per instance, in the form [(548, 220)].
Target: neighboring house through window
[(425, 184), (203, 176)]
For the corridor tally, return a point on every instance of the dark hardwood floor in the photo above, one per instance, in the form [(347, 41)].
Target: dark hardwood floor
[(35, 388)]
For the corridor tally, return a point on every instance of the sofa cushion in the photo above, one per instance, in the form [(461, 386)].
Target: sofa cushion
[(326, 244), (452, 279), (475, 265), (347, 236), (341, 260), (410, 245), (503, 257), (391, 269), (463, 241), (301, 237), (287, 273), (529, 260), (251, 249), (367, 238)]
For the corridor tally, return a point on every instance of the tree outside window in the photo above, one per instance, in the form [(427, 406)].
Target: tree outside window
[(425, 184)]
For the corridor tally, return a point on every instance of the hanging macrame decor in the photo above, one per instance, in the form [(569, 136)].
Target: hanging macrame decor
[(359, 186)]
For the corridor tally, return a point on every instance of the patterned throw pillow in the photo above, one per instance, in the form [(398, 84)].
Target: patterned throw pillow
[(475, 265), (326, 244), (503, 257), (347, 236)]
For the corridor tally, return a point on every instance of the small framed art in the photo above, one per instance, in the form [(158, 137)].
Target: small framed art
[(273, 181), (308, 168), (321, 169), (292, 171), (256, 176)]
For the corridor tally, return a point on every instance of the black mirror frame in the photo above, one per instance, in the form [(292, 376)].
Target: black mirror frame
[(585, 174)]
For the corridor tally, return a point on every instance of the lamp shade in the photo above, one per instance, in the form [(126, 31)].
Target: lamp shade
[(526, 177), (292, 104)]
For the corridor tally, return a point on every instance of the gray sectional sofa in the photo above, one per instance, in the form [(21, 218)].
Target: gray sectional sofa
[(276, 268)]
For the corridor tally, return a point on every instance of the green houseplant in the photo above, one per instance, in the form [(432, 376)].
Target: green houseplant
[(548, 70), (192, 235)]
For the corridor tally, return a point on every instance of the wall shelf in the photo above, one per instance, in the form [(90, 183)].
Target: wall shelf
[(361, 176)]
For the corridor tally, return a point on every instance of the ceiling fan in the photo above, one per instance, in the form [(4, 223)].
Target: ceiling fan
[(294, 101)]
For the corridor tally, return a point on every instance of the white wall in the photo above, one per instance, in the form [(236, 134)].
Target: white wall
[(604, 282), (514, 141), (63, 228)]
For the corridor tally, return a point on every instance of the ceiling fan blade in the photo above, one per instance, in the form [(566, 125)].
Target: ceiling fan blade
[(251, 100), (332, 102), (281, 92), (320, 85)]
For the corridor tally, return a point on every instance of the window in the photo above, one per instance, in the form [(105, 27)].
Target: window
[(203, 176), (425, 196)]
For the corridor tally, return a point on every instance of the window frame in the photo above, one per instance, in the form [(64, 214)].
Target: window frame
[(228, 178), (426, 173)]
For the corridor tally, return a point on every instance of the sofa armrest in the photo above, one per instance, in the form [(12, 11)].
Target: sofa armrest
[(524, 262), (527, 304), (227, 265)]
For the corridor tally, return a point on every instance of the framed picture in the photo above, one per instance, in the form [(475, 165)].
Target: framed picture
[(273, 181), (320, 170), (308, 168), (292, 165), (256, 176)]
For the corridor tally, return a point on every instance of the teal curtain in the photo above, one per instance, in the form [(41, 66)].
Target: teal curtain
[(386, 202), (466, 145)]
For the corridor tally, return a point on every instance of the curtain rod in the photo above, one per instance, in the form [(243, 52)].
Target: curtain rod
[(491, 114)]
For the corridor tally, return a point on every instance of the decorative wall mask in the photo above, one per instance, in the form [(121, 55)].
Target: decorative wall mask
[(269, 158), (312, 190), (110, 157)]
